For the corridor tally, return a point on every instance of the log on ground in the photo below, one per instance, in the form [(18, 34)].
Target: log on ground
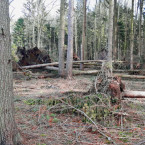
[(56, 63), (130, 76), (75, 72), (134, 94)]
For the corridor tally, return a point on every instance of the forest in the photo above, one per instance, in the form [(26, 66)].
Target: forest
[(76, 77)]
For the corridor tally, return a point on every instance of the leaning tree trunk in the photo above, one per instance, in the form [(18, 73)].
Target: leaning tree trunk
[(61, 38), (8, 131), (70, 40), (132, 38)]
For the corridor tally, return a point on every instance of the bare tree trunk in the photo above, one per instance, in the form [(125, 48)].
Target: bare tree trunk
[(61, 38), (110, 36), (76, 35), (132, 38), (50, 43), (95, 33), (38, 24), (33, 35), (70, 40), (140, 24), (115, 30), (125, 42), (8, 131), (83, 34), (143, 39)]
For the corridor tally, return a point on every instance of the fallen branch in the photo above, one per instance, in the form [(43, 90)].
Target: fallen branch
[(83, 113)]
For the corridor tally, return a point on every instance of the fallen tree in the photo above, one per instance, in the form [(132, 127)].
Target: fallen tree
[(93, 72), (131, 76), (75, 72), (47, 65), (56, 63), (39, 65), (133, 94)]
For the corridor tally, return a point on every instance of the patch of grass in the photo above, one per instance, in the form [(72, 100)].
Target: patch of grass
[(55, 120), (52, 115), (34, 102), (108, 142), (125, 136), (17, 108), (125, 140), (43, 135)]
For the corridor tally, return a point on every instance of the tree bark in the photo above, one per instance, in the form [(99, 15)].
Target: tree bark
[(95, 32), (83, 34), (115, 30), (76, 35), (70, 40), (8, 131), (61, 38), (108, 65), (140, 29), (132, 38)]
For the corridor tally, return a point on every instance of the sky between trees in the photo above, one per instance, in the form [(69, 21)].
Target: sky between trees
[(16, 7)]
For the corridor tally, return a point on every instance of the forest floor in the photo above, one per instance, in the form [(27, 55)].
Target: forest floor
[(41, 126)]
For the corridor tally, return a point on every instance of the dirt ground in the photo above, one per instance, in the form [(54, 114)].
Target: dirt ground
[(40, 126)]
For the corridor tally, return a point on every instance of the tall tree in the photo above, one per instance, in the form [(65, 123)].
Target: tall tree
[(61, 38), (9, 134), (140, 28), (95, 33), (19, 33), (35, 21), (76, 31), (110, 37), (132, 37), (70, 39), (115, 30), (83, 47)]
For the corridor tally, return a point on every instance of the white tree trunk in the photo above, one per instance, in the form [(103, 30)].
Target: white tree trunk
[(70, 39), (8, 131)]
